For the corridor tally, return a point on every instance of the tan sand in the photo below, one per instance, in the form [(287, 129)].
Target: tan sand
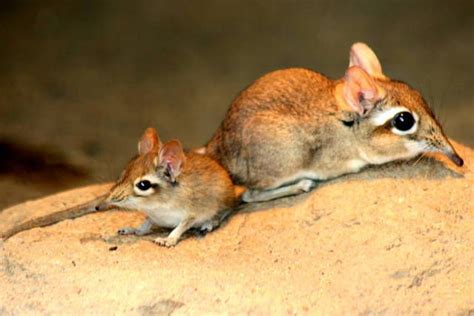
[(397, 239)]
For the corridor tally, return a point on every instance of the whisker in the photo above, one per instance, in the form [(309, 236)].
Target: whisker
[(417, 159), (424, 150)]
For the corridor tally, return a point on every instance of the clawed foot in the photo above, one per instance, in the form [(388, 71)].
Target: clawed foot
[(127, 231), (249, 196), (208, 226), (132, 231), (166, 241), (306, 185)]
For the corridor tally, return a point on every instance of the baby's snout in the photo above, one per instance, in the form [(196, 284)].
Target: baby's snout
[(102, 206)]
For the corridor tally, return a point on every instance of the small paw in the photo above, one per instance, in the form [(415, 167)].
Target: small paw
[(166, 242), (249, 196), (306, 185), (127, 231), (208, 226)]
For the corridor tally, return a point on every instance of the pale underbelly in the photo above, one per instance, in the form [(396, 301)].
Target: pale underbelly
[(171, 218)]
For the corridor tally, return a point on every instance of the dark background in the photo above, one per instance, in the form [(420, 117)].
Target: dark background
[(80, 80)]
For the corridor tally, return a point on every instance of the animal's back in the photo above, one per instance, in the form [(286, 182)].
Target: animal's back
[(281, 105), (289, 92)]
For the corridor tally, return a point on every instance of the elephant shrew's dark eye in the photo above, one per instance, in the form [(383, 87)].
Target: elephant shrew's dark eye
[(403, 121), (144, 185)]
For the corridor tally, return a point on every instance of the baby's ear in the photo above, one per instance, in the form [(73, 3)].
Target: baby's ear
[(149, 141), (362, 56), (172, 159), (361, 92)]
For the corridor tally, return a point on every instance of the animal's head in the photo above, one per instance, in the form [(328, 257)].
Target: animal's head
[(150, 177), (392, 120)]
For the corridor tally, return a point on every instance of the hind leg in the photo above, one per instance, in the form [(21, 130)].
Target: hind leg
[(216, 221), (301, 186), (209, 226), (256, 155)]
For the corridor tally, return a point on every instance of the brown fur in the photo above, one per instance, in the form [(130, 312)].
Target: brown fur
[(189, 190), (202, 187), (263, 135), (291, 120)]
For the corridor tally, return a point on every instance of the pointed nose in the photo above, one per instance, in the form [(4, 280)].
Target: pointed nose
[(455, 158), (444, 145), (449, 151), (101, 206)]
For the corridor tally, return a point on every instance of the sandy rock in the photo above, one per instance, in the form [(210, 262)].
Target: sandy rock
[(396, 239)]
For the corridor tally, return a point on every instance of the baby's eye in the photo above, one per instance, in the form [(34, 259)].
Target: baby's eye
[(144, 185)]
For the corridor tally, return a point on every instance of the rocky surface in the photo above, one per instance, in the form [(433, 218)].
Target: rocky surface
[(397, 239)]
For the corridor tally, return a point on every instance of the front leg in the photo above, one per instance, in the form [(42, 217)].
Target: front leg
[(144, 229), (176, 233)]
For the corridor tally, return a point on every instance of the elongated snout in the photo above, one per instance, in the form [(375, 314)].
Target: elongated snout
[(455, 158), (102, 206), (443, 145), (448, 149)]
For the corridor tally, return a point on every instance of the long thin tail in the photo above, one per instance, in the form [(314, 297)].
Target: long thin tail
[(52, 218)]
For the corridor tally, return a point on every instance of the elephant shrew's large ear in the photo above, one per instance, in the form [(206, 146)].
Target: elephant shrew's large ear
[(362, 56), (172, 159), (361, 92), (149, 141)]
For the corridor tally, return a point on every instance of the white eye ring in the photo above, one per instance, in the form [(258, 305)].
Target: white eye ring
[(150, 190), (412, 130), (381, 118)]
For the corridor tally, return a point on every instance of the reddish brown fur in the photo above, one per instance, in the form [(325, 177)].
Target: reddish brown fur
[(182, 190), (202, 187), (291, 121)]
